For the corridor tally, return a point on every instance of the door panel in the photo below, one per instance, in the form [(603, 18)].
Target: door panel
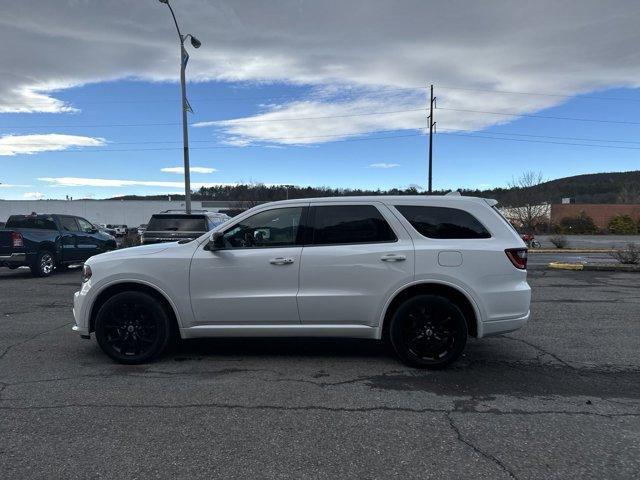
[(88, 244), (349, 283), (252, 277), (70, 232), (245, 286)]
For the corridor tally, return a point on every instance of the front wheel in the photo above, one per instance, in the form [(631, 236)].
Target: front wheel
[(132, 328), (43, 265), (428, 331)]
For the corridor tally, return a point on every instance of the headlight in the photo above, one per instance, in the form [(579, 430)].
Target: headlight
[(86, 273)]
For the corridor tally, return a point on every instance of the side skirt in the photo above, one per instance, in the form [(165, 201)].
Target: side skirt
[(348, 331)]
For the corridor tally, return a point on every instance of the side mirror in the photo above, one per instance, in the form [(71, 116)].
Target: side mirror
[(216, 241)]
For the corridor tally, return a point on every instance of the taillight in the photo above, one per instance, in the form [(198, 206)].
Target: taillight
[(518, 257), (17, 240)]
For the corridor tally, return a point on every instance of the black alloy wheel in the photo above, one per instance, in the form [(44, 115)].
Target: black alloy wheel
[(132, 328), (428, 331)]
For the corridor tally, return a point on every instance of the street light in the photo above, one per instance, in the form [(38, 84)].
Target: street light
[(184, 57)]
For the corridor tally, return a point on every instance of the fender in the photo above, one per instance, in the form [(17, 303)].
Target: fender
[(95, 294), (431, 281)]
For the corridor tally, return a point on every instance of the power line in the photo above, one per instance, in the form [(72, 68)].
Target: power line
[(548, 117), (582, 139), (516, 134), (151, 142), (235, 120), (540, 94), (471, 135), (215, 147), (372, 92)]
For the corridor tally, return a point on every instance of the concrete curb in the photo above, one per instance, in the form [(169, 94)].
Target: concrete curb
[(596, 268)]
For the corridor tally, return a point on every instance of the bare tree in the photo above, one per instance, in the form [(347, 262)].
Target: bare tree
[(527, 210), (629, 193)]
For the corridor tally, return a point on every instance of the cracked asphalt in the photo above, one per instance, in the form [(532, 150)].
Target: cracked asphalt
[(559, 399)]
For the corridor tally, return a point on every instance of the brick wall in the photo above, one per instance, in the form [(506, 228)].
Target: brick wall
[(601, 213)]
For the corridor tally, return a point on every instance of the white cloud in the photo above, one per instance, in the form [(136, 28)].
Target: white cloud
[(9, 185), (29, 144), (384, 165), (33, 195), (191, 169), (117, 183), (360, 46)]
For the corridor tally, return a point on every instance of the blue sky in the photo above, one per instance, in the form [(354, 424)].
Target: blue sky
[(307, 122)]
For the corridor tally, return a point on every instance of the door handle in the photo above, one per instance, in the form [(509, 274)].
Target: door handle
[(392, 257), (281, 261)]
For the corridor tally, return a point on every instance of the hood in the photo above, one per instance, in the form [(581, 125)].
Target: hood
[(135, 251)]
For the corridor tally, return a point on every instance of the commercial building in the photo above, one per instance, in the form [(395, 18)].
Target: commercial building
[(601, 213)]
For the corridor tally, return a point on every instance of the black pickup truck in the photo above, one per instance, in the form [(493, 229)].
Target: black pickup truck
[(46, 242)]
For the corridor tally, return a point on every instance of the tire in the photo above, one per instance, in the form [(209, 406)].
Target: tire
[(428, 331), (44, 264), (132, 328)]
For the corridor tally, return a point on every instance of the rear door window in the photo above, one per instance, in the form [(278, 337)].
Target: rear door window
[(443, 222), (348, 224), (177, 223), (69, 224)]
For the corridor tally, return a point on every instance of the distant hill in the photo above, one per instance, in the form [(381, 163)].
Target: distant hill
[(614, 187)]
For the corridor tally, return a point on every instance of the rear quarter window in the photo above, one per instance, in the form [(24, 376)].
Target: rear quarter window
[(39, 223), (443, 222)]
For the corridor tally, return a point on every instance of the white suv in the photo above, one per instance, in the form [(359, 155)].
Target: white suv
[(426, 272)]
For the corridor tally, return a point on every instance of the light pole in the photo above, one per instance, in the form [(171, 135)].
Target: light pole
[(184, 57)]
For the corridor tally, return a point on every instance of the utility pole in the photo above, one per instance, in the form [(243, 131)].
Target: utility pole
[(432, 124), (184, 57)]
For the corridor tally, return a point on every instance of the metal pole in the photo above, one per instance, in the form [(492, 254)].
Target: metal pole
[(185, 132), (431, 142)]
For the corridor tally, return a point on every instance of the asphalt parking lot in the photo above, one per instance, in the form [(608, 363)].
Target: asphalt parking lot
[(558, 399)]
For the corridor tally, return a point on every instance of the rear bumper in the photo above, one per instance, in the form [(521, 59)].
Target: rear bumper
[(498, 327), (16, 259)]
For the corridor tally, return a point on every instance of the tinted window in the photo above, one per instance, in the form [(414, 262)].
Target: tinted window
[(85, 226), (69, 224), (40, 223), (177, 223), (342, 224), (442, 222), (272, 228)]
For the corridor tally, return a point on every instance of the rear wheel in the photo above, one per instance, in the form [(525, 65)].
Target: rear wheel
[(43, 265), (428, 331), (132, 328)]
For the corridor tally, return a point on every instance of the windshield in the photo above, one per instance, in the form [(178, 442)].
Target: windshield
[(177, 223)]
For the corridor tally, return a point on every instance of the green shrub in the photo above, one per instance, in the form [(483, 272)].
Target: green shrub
[(578, 225), (623, 225)]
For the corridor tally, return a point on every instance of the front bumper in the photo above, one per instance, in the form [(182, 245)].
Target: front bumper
[(78, 326), (13, 259)]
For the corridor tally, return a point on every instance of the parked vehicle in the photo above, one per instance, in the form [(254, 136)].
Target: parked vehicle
[(46, 242), (176, 225), (121, 230), (426, 272), (103, 228), (530, 240)]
